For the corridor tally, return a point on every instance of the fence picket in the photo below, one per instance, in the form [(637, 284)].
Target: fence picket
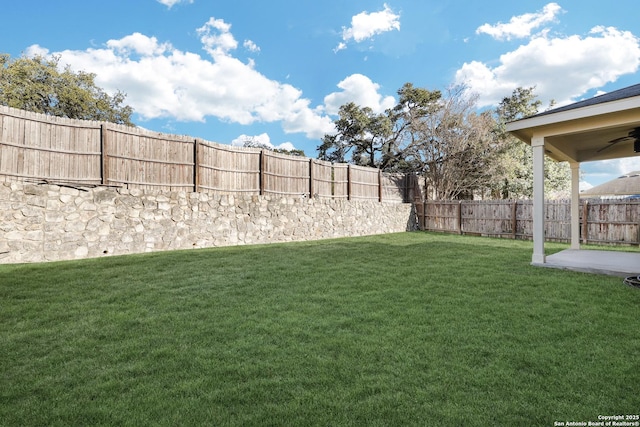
[(37, 146), (602, 221)]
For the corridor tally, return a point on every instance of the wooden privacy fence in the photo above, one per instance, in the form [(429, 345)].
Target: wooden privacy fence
[(40, 147), (601, 221)]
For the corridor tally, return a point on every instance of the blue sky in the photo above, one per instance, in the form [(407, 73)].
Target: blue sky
[(277, 71)]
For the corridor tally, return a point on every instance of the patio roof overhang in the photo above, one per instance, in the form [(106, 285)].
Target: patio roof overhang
[(589, 130), (584, 133)]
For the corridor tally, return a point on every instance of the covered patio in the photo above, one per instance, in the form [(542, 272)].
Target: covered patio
[(600, 128), (613, 263)]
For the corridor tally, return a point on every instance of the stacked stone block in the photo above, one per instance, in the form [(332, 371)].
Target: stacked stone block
[(51, 222)]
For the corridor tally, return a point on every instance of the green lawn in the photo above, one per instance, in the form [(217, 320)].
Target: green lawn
[(401, 329)]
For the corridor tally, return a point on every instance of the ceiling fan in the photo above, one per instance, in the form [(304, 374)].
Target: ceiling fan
[(634, 135)]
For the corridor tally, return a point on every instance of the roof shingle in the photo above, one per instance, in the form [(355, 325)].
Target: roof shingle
[(616, 95)]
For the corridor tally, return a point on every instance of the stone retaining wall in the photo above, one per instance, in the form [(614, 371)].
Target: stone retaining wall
[(50, 222)]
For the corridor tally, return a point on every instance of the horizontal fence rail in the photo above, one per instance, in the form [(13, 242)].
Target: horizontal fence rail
[(58, 150), (601, 221)]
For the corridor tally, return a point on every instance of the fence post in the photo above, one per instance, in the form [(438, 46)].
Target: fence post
[(514, 219), (104, 157), (261, 172), (585, 222), (333, 181), (424, 215), (348, 182), (311, 186), (196, 166), (380, 185), (638, 233), (460, 217)]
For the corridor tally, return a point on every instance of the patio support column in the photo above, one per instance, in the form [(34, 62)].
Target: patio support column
[(537, 145), (575, 205)]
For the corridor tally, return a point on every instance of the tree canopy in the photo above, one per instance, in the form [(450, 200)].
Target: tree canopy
[(382, 140), (37, 84), (362, 134), (518, 160), (459, 150)]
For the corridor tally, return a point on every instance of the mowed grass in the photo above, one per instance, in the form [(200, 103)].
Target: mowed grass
[(400, 329)]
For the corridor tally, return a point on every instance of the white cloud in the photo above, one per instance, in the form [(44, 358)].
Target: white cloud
[(137, 43), (361, 90), (561, 68), (583, 185), (251, 46), (171, 3), (163, 82), (521, 26), (262, 139), (624, 166), (216, 37), (596, 173), (341, 46), (365, 25), (286, 146), (36, 50)]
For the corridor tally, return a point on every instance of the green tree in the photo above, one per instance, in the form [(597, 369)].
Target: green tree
[(383, 140), (518, 158), (361, 134), (414, 106), (37, 84), (441, 137)]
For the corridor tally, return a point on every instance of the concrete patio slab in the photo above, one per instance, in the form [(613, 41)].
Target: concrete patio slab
[(611, 263)]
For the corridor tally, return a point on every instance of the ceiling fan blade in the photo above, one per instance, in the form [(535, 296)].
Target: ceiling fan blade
[(613, 142)]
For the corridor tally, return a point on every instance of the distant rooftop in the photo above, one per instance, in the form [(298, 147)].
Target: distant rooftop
[(616, 95), (625, 185)]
